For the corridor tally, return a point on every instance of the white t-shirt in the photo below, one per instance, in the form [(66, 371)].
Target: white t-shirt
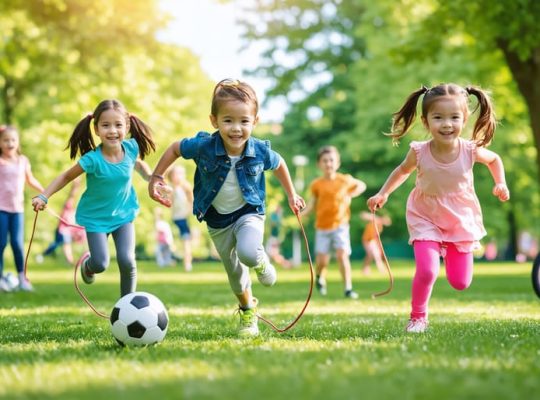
[(180, 205), (229, 197)]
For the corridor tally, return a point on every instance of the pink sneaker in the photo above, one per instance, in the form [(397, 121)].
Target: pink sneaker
[(417, 325)]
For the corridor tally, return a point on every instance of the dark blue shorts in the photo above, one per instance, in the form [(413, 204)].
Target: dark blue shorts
[(183, 227)]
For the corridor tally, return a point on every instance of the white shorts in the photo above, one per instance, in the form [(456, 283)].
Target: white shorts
[(338, 239)]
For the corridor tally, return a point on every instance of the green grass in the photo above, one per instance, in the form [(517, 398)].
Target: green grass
[(483, 342)]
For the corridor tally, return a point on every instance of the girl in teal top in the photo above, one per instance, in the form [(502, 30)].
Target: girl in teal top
[(109, 205)]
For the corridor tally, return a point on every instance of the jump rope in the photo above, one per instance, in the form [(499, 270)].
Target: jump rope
[(268, 322)]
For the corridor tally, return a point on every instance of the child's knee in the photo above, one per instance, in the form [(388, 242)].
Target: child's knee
[(250, 256), (98, 264), (460, 284), (426, 275)]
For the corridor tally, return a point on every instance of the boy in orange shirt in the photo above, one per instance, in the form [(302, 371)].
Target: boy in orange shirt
[(331, 197)]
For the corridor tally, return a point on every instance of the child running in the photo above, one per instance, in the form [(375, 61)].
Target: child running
[(229, 190), (15, 171), (109, 205), (331, 197), (443, 212)]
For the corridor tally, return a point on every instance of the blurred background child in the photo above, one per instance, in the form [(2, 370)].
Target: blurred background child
[(15, 171), (331, 196), (273, 243), (182, 207), (370, 241), (164, 240)]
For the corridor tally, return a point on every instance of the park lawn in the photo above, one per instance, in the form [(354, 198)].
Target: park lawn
[(482, 343)]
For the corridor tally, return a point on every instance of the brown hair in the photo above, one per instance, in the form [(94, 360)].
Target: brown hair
[(81, 140), (232, 89), (484, 128), (325, 150)]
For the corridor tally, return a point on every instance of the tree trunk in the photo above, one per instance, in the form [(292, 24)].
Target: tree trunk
[(527, 75)]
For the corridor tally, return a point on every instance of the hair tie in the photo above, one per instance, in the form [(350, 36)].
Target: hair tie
[(90, 115), (425, 89)]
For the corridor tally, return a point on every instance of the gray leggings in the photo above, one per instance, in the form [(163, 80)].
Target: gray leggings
[(240, 246), (124, 242)]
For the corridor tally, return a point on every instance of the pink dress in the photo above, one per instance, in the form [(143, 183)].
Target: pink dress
[(443, 206)]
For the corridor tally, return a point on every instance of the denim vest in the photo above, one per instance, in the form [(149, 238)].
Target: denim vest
[(213, 165)]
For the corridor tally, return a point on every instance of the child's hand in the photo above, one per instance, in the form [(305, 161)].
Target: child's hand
[(377, 201), (38, 204), (296, 203), (501, 192), (160, 192)]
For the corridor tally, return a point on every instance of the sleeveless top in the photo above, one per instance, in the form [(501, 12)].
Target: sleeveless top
[(443, 206), (13, 178)]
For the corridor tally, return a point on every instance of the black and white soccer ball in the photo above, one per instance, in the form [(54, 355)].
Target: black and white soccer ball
[(139, 319)]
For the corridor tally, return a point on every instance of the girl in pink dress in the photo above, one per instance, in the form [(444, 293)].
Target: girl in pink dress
[(443, 213)]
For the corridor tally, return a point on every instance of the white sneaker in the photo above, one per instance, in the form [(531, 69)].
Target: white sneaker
[(266, 273), (12, 281), (417, 325), (4, 285), (25, 285), (40, 259)]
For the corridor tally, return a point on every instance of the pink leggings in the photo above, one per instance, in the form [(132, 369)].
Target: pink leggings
[(459, 268)]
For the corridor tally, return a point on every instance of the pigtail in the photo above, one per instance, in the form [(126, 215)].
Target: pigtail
[(484, 128), (81, 139), (142, 133), (404, 118)]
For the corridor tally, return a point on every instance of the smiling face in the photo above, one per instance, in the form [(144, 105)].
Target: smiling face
[(9, 142), (445, 119), (112, 128), (235, 121)]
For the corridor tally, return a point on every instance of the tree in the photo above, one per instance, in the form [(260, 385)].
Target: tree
[(508, 26), (390, 53)]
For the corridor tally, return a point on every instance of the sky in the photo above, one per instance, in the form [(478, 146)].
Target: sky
[(210, 30)]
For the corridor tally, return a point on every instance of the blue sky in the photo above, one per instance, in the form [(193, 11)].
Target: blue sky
[(210, 30)]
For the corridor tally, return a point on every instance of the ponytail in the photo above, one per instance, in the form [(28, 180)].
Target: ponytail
[(142, 133), (81, 140), (404, 118), (484, 128)]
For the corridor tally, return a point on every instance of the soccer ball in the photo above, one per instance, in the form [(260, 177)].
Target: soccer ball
[(139, 319)]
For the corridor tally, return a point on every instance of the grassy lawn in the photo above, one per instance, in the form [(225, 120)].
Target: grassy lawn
[(483, 343)]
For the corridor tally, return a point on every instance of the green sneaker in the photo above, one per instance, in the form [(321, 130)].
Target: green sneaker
[(248, 326)]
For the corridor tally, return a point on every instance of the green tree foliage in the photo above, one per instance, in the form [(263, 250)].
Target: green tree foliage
[(381, 51), (60, 58)]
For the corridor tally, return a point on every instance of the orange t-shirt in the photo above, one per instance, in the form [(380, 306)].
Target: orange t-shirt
[(369, 231), (333, 200)]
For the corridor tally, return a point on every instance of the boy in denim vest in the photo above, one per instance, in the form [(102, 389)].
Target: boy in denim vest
[(229, 190)]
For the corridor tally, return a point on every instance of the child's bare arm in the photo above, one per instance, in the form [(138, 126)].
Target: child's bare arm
[(395, 179), (496, 168), (143, 169), (296, 202), (39, 203)]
